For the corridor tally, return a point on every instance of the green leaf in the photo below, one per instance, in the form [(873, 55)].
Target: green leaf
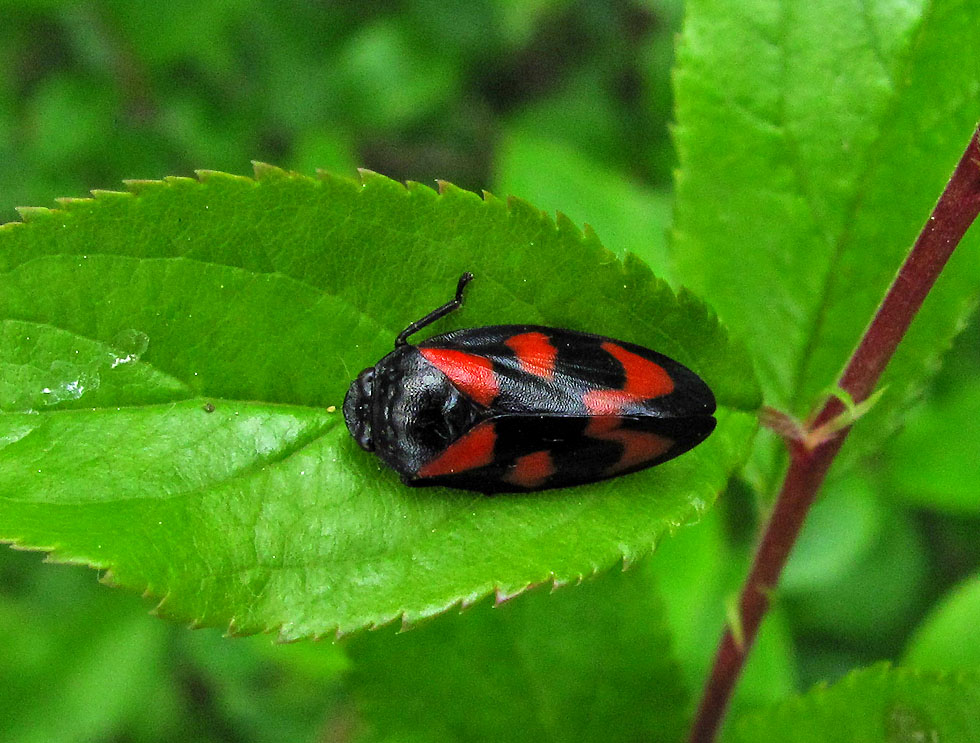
[(804, 180), (890, 705), (630, 217), (174, 361), (83, 663), (389, 80), (78, 662), (947, 638), (859, 569), (935, 461), (588, 664), (266, 690), (699, 573)]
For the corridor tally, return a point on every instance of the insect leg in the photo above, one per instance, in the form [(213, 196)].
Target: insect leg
[(454, 304)]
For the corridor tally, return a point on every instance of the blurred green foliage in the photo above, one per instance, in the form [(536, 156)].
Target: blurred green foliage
[(560, 102), (94, 92)]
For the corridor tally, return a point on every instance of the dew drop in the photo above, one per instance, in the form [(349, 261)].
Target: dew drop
[(128, 346), (908, 725), (68, 382)]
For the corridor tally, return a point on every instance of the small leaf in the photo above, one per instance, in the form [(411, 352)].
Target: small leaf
[(631, 218), (947, 638), (697, 570), (173, 365), (935, 461), (78, 661), (859, 569), (890, 705), (593, 663)]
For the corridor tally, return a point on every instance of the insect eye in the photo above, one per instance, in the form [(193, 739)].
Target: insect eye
[(357, 409)]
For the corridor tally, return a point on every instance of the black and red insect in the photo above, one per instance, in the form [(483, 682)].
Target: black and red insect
[(524, 407)]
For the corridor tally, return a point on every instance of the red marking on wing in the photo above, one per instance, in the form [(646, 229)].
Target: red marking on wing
[(531, 470), (472, 374), (535, 353), (474, 449), (644, 380), (638, 446)]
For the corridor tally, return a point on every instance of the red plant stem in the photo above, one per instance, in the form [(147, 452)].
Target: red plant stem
[(954, 213)]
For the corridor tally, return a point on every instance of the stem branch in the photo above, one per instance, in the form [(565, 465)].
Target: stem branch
[(955, 211)]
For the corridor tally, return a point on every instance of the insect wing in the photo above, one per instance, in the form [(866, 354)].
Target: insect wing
[(534, 370), (563, 408), (521, 452)]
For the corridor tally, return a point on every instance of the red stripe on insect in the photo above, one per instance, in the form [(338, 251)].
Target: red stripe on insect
[(643, 380), (534, 353), (639, 447), (473, 375), (473, 450), (531, 470)]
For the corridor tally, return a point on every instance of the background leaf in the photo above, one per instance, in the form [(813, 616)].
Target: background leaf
[(804, 180), (875, 704), (177, 359), (630, 217), (589, 663), (97, 661), (859, 573), (945, 480), (699, 572), (83, 662), (946, 638)]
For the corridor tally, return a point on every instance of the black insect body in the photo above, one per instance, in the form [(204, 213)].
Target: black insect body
[(524, 407)]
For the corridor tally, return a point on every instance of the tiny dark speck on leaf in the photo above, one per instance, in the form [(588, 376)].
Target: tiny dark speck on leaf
[(208, 407)]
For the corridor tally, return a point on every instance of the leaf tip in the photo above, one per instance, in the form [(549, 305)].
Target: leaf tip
[(628, 559), (108, 578), (266, 172), (591, 237), (502, 595), (109, 193), (138, 186), (285, 635), (204, 174), (565, 225), (420, 189), (447, 188), (406, 624), (469, 601), (517, 207), (369, 176), (31, 213), (452, 191), (490, 198), (235, 630)]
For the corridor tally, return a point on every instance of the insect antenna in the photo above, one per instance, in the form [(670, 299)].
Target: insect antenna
[(452, 305)]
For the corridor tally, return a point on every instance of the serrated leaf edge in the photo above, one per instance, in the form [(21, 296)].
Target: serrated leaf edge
[(853, 680), (632, 270)]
